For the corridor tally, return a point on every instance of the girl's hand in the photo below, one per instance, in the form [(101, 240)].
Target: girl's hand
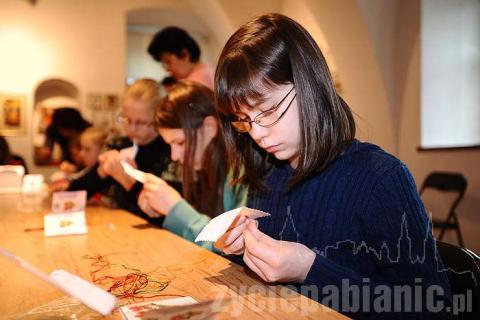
[(68, 167), (109, 165), (232, 242), (59, 185), (159, 195), (145, 206), (275, 260)]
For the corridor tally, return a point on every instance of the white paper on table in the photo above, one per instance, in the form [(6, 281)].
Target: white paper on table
[(32, 183), (134, 173), (220, 224), (76, 287), (129, 153), (60, 224), (195, 311), (88, 293), (136, 310), (69, 201)]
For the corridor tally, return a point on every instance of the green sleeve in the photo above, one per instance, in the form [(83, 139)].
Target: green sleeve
[(187, 222)]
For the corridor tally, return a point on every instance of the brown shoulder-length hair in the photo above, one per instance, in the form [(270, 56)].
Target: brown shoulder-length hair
[(268, 51), (185, 107)]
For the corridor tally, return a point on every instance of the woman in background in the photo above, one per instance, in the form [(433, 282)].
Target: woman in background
[(186, 119), (66, 127), (180, 54)]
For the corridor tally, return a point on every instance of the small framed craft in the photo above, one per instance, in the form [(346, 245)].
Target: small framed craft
[(12, 114)]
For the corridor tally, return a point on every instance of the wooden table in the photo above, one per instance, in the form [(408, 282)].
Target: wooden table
[(119, 243)]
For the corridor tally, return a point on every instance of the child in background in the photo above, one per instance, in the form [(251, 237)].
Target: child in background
[(76, 162), (186, 119), (92, 141), (152, 155)]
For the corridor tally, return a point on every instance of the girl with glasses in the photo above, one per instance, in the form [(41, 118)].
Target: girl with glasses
[(187, 120), (149, 153), (339, 207)]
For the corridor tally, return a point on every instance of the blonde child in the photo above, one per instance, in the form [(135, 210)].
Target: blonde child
[(92, 141)]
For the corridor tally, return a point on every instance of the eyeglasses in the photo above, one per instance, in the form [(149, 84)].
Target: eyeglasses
[(124, 120), (266, 119)]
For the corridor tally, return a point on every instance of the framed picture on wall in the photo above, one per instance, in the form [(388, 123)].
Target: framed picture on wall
[(103, 119), (94, 101), (12, 114), (110, 102)]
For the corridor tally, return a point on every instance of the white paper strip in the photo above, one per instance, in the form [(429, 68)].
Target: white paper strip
[(134, 173), (89, 294), (220, 224), (129, 153)]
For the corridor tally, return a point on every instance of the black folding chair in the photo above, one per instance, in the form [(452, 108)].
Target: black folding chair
[(464, 276), (447, 182)]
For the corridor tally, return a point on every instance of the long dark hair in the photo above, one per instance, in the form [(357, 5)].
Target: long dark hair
[(268, 51), (185, 107), (69, 118)]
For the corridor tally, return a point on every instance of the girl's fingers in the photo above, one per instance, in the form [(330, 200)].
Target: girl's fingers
[(258, 244), (151, 187), (236, 248), (226, 240), (230, 236), (153, 179), (253, 264), (238, 221)]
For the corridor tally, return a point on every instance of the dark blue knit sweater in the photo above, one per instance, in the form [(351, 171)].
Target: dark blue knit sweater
[(363, 217)]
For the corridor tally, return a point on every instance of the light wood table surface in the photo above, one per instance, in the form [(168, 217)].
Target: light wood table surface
[(119, 243)]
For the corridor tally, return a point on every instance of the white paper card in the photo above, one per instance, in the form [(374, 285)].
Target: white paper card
[(69, 201), (60, 224), (134, 173), (32, 183), (220, 224), (196, 311), (11, 178), (137, 310)]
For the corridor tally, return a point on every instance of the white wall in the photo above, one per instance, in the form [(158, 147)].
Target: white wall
[(359, 71), (139, 62), (301, 12)]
